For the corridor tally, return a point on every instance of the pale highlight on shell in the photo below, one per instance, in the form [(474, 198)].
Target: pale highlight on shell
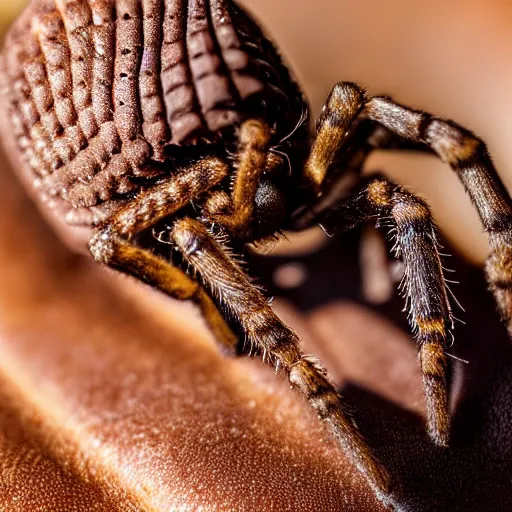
[(100, 92)]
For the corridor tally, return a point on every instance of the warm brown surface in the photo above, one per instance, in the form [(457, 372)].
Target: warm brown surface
[(126, 398)]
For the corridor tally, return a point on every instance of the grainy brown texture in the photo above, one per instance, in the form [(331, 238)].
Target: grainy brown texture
[(132, 398), (101, 92)]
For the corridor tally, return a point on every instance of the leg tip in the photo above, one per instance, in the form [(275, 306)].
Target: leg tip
[(438, 421), (433, 363), (440, 438)]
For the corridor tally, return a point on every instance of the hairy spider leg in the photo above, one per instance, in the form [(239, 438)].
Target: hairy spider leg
[(469, 158), (278, 343), (251, 163), (112, 243), (344, 139), (423, 284), (113, 246), (418, 130)]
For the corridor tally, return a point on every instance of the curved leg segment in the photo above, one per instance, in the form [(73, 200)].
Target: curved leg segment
[(112, 244), (424, 285), (345, 102), (278, 343), (252, 160)]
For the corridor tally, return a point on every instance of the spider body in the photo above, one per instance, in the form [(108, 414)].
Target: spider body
[(111, 96), (136, 112)]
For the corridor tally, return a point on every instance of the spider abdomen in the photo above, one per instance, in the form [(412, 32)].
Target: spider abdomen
[(101, 91)]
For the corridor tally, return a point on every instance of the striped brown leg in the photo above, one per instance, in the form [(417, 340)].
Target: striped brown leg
[(112, 245), (252, 162), (424, 285), (345, 102), (468, 157), (280, 345), (345, 136), (463, 151)]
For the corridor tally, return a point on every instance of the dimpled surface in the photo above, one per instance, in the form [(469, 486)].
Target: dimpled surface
[(99, 92)]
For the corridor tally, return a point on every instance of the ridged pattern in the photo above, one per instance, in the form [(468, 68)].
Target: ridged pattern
[(99, 90)]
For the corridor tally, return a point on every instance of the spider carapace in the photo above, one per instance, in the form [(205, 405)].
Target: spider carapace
[(134, 113)]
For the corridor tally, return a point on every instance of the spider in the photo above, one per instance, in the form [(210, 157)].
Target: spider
[(145, 118)]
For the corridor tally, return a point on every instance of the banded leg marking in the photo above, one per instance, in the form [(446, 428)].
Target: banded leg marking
[(112, 243), (264, 329), (424, 285)]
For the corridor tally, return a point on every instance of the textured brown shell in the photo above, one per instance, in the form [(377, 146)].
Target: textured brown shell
[(99, 90)]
